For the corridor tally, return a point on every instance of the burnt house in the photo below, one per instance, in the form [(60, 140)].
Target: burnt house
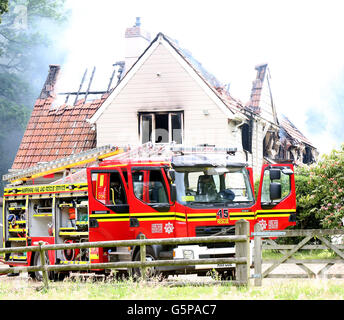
[(163, 94)]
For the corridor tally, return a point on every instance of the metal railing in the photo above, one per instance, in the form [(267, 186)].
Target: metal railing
[(241, 259)]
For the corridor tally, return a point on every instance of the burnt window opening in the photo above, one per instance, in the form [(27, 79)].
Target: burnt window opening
[(307, 156), (161, 127), (291, 156), (246, 136), (265, 150), (282, 153)]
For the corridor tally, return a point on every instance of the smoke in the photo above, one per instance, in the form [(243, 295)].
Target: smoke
[(37, 43)]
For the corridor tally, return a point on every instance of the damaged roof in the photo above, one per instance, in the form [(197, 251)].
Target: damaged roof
[(288, 130), (55, 132)]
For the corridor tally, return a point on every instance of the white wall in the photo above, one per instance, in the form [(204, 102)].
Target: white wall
[(162, 84)]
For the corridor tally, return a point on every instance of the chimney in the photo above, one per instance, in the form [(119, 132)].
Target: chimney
[(136, 42), (48, 89)]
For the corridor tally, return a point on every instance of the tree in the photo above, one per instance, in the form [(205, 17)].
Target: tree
[(3, 7), (27, 47)]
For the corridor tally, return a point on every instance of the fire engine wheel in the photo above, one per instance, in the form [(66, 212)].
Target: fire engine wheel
[(38, 275), (227, 274), (150, 272)]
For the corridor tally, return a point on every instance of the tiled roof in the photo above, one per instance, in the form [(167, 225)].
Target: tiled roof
[(53, 133)]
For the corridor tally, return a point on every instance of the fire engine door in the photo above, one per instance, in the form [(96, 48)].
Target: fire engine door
[(109, 208), (152, 212), (276, 205)]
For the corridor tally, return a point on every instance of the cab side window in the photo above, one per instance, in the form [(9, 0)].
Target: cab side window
[(149, 186), (117, 192), (138, 183), (108, 188), (157, 187)]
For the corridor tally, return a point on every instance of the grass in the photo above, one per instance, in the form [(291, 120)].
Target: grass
[(302, 254), (21, 288), (272, 289)]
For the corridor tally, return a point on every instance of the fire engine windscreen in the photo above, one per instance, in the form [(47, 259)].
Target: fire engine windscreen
[(213, 186)]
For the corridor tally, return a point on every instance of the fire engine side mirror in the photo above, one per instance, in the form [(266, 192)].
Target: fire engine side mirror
[(275, 191), (275, 174), (173, 192)]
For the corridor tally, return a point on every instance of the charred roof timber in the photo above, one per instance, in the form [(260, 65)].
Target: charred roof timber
[(119, 64)]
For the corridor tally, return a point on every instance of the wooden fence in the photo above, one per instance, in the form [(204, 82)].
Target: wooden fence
[(289, 250), (241, 259)]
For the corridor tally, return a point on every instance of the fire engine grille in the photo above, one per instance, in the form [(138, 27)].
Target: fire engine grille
[(204, 231)]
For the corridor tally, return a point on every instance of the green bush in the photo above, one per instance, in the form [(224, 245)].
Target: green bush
[(320, 192)]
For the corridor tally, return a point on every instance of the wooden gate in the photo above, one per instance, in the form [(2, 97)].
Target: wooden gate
[(309, 235)]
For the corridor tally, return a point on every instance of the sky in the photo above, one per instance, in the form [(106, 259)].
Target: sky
[(302, 42)]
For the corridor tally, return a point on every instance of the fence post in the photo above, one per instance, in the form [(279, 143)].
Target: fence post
[(257, 256), (44, 270), (242, 250), (143, 257)]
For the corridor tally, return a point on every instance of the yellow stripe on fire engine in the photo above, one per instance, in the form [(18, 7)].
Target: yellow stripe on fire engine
[(242, 215), (274, 213), (17, 257), (17, 239), (206, 216), (46, 189), (16, 230), (73, 262), (3, 220), (73, 233), (160, 216), (112, 220), (110, 217), (141, 216)]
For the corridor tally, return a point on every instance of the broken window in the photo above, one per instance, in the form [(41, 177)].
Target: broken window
[(161, 127), (246, 137)]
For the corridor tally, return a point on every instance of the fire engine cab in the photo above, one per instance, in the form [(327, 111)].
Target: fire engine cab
[(160, 192)]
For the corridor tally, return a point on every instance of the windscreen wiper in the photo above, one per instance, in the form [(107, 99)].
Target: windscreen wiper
[(210, 203), (198, 203)]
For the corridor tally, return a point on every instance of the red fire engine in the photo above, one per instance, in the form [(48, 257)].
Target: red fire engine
[(185, 192)]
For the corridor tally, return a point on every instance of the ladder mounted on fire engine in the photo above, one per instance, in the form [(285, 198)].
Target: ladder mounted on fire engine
[(59, 165), (166, 151), (146, 151)]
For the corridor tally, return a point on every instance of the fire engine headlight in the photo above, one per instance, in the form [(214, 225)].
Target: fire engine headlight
[(188, 254)]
